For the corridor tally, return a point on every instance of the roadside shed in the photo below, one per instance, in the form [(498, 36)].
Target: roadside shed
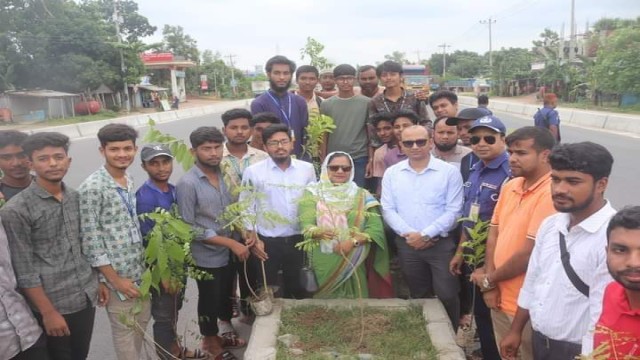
[(39, 105)]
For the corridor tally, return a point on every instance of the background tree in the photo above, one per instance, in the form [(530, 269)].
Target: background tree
[(176, 41), (510, 64), (397, 56), (617, 68), (312, 49)]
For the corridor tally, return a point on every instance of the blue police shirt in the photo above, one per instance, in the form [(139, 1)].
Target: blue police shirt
[(483, 187), (148, 198)]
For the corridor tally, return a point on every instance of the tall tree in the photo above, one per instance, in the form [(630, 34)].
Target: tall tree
[(397, 56), (313, 49), (617, 68), (179, 43)]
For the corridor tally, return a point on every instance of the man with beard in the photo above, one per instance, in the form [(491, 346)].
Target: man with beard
[(203, 196), (619, 324), (523, 203), (350, 113), (280, 181), (14, 164), (445, 141), (290, 108), (463, 122), (259, 122), (368, 81), (43, 229), (307, 79), (111, 236), (567, 272)]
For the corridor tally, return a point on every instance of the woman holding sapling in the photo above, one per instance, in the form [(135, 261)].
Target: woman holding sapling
[(344, 236)]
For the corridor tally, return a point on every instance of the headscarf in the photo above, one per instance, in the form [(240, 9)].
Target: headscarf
[(340, 196)]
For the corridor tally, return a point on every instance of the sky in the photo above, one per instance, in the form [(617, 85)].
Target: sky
[(361, 32)]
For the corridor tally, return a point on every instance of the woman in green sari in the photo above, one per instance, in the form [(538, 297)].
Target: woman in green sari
[(350, 259)]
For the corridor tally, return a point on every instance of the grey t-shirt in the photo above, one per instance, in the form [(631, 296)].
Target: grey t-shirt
[(350, 117)]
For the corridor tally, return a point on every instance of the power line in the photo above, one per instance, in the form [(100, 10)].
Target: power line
[(444, 58), (489, 22)]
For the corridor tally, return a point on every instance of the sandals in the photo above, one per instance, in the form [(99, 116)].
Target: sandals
[(230, 340), (225, 355), (195, 354)]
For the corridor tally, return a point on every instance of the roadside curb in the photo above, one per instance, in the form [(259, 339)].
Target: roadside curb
[(81, 130), (591, 119)]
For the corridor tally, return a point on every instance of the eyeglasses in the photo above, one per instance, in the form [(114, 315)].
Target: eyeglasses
[(419, 143), (345, 78), (335, 168), (276, 143), (489, 139)]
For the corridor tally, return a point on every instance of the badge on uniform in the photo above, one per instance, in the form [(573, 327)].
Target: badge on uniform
[(474, 212)]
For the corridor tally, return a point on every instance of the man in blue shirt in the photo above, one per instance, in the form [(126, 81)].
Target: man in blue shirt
[(157, 192), (290, 108), (481, 192), (421, 202), (548, 117)]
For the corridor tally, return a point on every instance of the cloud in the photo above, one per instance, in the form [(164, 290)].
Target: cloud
[(362, 32)]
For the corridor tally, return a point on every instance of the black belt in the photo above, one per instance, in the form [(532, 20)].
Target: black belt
[(549, 342), (292, 238)]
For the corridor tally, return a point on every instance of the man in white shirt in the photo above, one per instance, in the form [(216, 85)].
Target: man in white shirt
[(562, 291), (280, 181), (421, 202)]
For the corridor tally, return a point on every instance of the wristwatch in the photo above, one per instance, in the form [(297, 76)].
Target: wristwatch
[(356, 243), (486, 284), (426, 238)]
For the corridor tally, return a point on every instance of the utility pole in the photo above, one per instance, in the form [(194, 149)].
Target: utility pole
[(444, 58), (418, 54), (572, 31), (489, 22), (123, 69), (233, 78)]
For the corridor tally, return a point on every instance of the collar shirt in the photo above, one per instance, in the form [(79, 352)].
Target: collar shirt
[(393, 156), (148, 198), (482, 189), (292, 111), (46, 249), (557, 309), (455, 158), (109, 225), (618, 326), (407, 101), (279, 191), (19, 330), (201, 205), (233, 168), (428, 201), (378, 161)]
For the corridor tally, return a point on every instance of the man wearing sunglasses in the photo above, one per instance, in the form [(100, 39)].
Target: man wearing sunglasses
[(421, 202), (481, 192)]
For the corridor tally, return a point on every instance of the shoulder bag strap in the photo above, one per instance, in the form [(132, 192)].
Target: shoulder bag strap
[(568, 269)]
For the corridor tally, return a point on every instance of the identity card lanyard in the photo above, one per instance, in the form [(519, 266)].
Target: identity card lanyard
[(236, 167), (384, 101), (287, 116), (126, 199)]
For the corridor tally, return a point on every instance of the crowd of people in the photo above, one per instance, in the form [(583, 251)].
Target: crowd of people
[(560, 275)]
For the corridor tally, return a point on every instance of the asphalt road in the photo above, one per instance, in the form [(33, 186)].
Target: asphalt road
[(86, 159)]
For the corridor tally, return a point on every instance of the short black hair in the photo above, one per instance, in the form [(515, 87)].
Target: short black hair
[(415, 119), (116, 132), (627, 218), (11, 137), (379, 117), (586, 157), (389, 66), (39, 141), (264, 117), (344, 70), (450, 95), (542, 138), (483, 100), (279, 59), (364, 68), (205, 134), (233, 114), (271, 130), (307, 69)]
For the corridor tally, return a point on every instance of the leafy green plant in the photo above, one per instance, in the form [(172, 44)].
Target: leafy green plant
[(319, 126), (475, 246), (178, 147)]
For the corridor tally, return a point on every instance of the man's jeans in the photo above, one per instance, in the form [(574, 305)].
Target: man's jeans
[(164, 310)]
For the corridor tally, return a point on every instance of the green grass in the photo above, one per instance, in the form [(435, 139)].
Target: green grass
[(606, 106), (388, 334)]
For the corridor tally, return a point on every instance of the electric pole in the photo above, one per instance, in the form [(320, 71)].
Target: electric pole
[(444, 58), (489, 22), (233, 78), (572, 31), (123, 69), (418, 53)]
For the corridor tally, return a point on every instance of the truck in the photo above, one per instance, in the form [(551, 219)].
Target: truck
[(417, 77), (259, 87)]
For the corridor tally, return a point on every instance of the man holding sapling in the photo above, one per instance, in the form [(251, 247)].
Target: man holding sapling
[(276, 186)]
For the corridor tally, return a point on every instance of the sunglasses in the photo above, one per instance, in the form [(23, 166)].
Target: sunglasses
[(419, 143), (335, 168), (489, 139)]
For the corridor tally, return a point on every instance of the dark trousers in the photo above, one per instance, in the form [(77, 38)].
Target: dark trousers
[(284, 256), (429, 269), (76, 345), (37, 351), (545, 348), (214, 301), (482, 317), (164, 310)]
